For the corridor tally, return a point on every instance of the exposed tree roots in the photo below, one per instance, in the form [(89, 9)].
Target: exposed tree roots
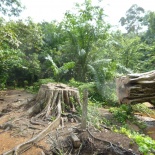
[(51, 100), (89, 144)]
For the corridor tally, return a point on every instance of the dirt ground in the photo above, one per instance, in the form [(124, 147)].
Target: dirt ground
[(12, 110)]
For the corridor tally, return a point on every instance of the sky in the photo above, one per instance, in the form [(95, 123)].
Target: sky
[(48, 10)]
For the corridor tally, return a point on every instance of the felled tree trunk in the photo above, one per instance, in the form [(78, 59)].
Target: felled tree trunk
[(51, 100), (136, 88)]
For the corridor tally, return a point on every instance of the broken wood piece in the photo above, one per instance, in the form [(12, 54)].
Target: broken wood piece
[(75, 140)]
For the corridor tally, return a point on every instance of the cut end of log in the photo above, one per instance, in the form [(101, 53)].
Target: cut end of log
[(136, 88)]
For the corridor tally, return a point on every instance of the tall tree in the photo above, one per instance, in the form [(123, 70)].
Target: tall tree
[(11, 7), (149, 36), (84, 28), (134, 18)]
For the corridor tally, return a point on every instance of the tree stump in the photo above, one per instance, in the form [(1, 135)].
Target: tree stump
[(51, 101), (48, 97), (136, 88)]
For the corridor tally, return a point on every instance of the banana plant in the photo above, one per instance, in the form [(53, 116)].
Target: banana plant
[(60, 71)]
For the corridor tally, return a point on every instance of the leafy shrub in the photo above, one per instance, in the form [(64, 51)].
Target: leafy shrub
[(122, 113), (74, 83)]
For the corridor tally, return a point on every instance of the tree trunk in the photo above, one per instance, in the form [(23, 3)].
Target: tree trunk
[(136, 88)]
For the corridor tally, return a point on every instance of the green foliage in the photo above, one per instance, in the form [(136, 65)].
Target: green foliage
[(25, 83), (145, 143), (123, 113), (29, 34), (8, 38), (149, 19), (130, 53), (141, 108), (91, 87), (32, 67), (9, 59), (59, 71), (104, 72), (19, 45), (75, 83), (2, 86), (84, 29), (37, 85)]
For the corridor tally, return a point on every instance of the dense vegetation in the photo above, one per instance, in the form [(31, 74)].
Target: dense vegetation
[(82, 50)]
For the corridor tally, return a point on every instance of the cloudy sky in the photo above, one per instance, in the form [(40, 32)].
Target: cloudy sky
[(48, 10)]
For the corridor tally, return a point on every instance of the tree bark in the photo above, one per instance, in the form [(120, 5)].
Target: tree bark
[(136, 88)]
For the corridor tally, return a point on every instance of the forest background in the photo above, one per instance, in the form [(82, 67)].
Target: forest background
[(82, 50)]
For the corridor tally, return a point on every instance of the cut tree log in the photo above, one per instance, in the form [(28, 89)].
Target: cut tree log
[(136, 88), (50, 101)]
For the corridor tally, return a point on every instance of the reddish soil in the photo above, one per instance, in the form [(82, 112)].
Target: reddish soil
[(11, 109)]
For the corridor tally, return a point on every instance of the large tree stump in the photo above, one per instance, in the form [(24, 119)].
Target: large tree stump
[(48, 97), (136, 88), (51, 100)]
